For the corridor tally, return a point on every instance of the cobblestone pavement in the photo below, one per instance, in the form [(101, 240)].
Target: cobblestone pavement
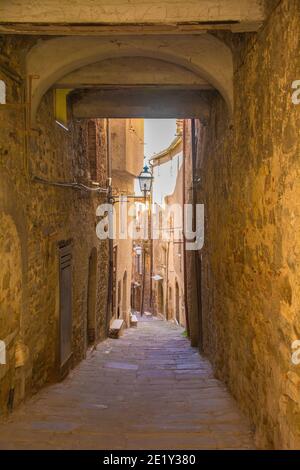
[(147, 390)]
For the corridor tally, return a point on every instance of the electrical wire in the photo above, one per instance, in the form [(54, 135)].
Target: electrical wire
[(73, 185)]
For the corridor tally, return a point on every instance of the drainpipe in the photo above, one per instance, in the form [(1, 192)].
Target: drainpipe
[(183, 234), (151, 250), (197, 285), (110, 240), (167, 280), (144, 264)]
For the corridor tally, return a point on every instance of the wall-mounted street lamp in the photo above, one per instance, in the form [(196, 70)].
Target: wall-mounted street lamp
[(145, 180), (138, 250)]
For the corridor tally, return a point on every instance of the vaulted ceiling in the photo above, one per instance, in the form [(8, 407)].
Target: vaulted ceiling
[(200, 62)]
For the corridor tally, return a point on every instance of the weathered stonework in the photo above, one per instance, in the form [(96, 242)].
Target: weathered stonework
[(250, 186), (127, 150), (34, 218), (248, 166)]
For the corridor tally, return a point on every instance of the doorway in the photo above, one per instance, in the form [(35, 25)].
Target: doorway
[(114, 280), (124, 296), (160, 298), (119, 306), (91, 298), (65, 307), (177, 312)]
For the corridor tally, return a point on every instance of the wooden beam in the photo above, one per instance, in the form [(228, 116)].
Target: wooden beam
[(141, 103), (122, 17), (104, 30)]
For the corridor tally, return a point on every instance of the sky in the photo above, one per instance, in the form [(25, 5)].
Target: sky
[(158, 134)]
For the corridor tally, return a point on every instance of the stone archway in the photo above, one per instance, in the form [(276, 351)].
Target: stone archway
[(204, 55)]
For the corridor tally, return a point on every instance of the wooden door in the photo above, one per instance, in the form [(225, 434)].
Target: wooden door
[(65, 307)]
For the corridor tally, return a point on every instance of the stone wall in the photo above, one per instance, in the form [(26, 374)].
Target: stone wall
[(176, 271), (191, 296), (127, 150), (249, 168), (34, 218)]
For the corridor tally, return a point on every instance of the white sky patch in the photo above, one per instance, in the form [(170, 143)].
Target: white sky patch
[(159, 133)]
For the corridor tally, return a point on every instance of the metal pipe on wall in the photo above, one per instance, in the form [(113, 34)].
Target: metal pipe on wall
[(151, 251), (197, 260), (183, 228), (110, 240)]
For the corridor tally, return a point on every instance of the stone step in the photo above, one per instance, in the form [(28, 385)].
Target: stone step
[(133, 321), (116, 328)]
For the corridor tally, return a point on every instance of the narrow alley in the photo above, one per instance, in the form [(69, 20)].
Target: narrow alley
[(148, 390), (149, 224)]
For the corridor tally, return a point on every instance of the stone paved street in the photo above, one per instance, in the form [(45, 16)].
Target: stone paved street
[(147, 390)]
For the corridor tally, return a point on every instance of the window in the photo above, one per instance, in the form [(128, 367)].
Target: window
[(2, 92)]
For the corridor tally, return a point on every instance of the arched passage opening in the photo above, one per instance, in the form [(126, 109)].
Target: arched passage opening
[(204, 55), (160, 298), (245, 172)]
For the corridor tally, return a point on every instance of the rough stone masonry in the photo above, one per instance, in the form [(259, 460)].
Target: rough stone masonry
[(247, 56), (34, 219), (249, 169)]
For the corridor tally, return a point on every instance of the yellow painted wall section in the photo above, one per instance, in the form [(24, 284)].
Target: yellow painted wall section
[(60, 104)]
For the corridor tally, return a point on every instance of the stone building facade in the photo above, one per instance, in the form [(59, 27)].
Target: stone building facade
[(248, 165), (53, 266), (127, 151), (142, 259), (168, 245), (231, 65), (175, 250)]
